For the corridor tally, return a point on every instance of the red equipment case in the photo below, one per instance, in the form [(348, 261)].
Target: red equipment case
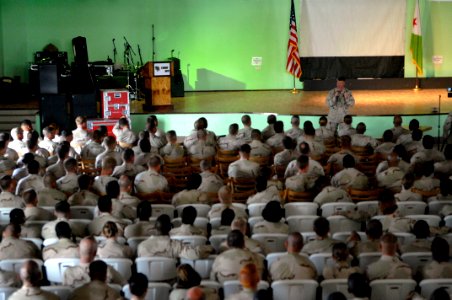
[(115, 104), (94, 124)]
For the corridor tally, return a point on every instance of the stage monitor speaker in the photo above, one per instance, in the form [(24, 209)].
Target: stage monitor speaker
[(84, 105), (177, 84), (48, 79), (80, 50), (53, 109)]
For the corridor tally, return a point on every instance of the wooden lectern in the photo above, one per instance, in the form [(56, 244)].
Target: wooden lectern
[(157, 79)]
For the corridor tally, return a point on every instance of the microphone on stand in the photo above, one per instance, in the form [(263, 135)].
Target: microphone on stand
[(172, 53)]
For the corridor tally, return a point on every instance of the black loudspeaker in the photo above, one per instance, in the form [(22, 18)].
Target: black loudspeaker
[(177, 84), (84, 105), (48, 79), (53, 109), (80, 50)]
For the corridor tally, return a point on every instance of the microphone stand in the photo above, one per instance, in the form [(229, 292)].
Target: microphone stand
[(153, 43), (129, 51), (439, 123), (139, 54), (115, 52)]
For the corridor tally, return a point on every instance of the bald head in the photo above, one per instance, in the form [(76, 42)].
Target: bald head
[(239, 224), (294, 242), (87, 249), (125, 184), (225, 194), (195, 293), (30, 274)]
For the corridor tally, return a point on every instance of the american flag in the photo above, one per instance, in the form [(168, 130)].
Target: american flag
[(293, 57)]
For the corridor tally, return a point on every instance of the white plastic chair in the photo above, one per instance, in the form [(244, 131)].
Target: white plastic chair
[(391, 288), (14, 265), (50, 209), (255, 209), (271, 242), (368, 206), (122, 265), (82, 212), (366, 259), (301, 209), (435, 207), (432, 221), (193, 240), (428, 286), (404, 237), (294, 289), (163, 209), (4, 215), (330, 286), (254, 220), (231, 287), (202, 266), (330, 209), (5, 292), (134, 241), (211, 284), (60, 290), (272, 257), (201, 209), (100, 238), (448, 221), (238, 205), (48, 242), (308, 236), (320, 260), (156, 291), (215, 223), (199, 222), (157, 268), (417, 260), (38, 242), (36, 224), (343, 236), (216, 240), (301, 223), (341, 223), (55, 268), (411, 208)]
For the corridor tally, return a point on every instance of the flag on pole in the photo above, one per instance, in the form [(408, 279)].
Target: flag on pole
[(416, 40), (293, 57)]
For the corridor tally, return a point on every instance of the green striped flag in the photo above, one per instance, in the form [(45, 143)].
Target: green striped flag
[(416, 40)]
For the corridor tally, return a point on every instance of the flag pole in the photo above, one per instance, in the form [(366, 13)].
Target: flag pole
[(294, 90)]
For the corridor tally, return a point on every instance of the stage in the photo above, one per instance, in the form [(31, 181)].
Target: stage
[(307, 103)]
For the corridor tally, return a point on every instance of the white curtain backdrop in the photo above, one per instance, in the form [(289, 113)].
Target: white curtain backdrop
[(352, 28)]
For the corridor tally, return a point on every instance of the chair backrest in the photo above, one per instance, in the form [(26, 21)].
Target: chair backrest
[(156, 291), (231, 287), (134, 241), (215, 223), (211, 284), (320, 260), (37, 241), (14, 265), (301, 223), (36, 224), (341, 223), (4, 215), (366, 259), (368, 206), (199, 222), (435, 207), (343, 236), (448, 221), (391, 288), (157, 268), (272, 257), (294, 289), (330, 286), (433, 221), (301, 209), (50, 241), (201, 209), (163, 209), (202, 266), (293, 196), (308, 236), (192, 240), (60, 290), (5, 292), (82, 212), (271, 242), (254, 220), (404, 238), (122, 265), (417, 260), (329, 209), (411, 208), (216, 240), (55, 268), (255, 209), (428, 286)]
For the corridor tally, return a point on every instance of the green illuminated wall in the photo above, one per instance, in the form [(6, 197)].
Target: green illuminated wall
[(216, 38)]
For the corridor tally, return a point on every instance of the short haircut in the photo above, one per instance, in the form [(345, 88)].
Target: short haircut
[(194, 181), (171, 134), (271, 119), (233, 128), (323, 121), (97, 134), (62, 207), (336, 296), (108, 163), (340, 251), (374, 229), (416, 134), (246, 120), (5, 182), (227, 216), (123, 122), (187, 277), (261, 183), (358, 285), (29, 196), (110, 141), (304, 148), (138, 284), (302, 161), (235, 239), (388, 135), (104, 203), (163, 224), (346, 140), (63, 230), (144, 211), (33, 167), (84, 181), (288, 143), (80, 120), (279, 127), (70, 164), (389, 238), (272, 212), (348, 161), (256, 134), (428, 142), (98, 270), (360, 128), (154, 161), (295, 120), (110, 229), (31, 272), (189, 215), (128, 154), (428, 168), (348, 119), (245, 148), (205, 164), (17, 216), (112, 189), (309, 130), (321, 226), (421, 229), (440, 250), (414, 124)]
